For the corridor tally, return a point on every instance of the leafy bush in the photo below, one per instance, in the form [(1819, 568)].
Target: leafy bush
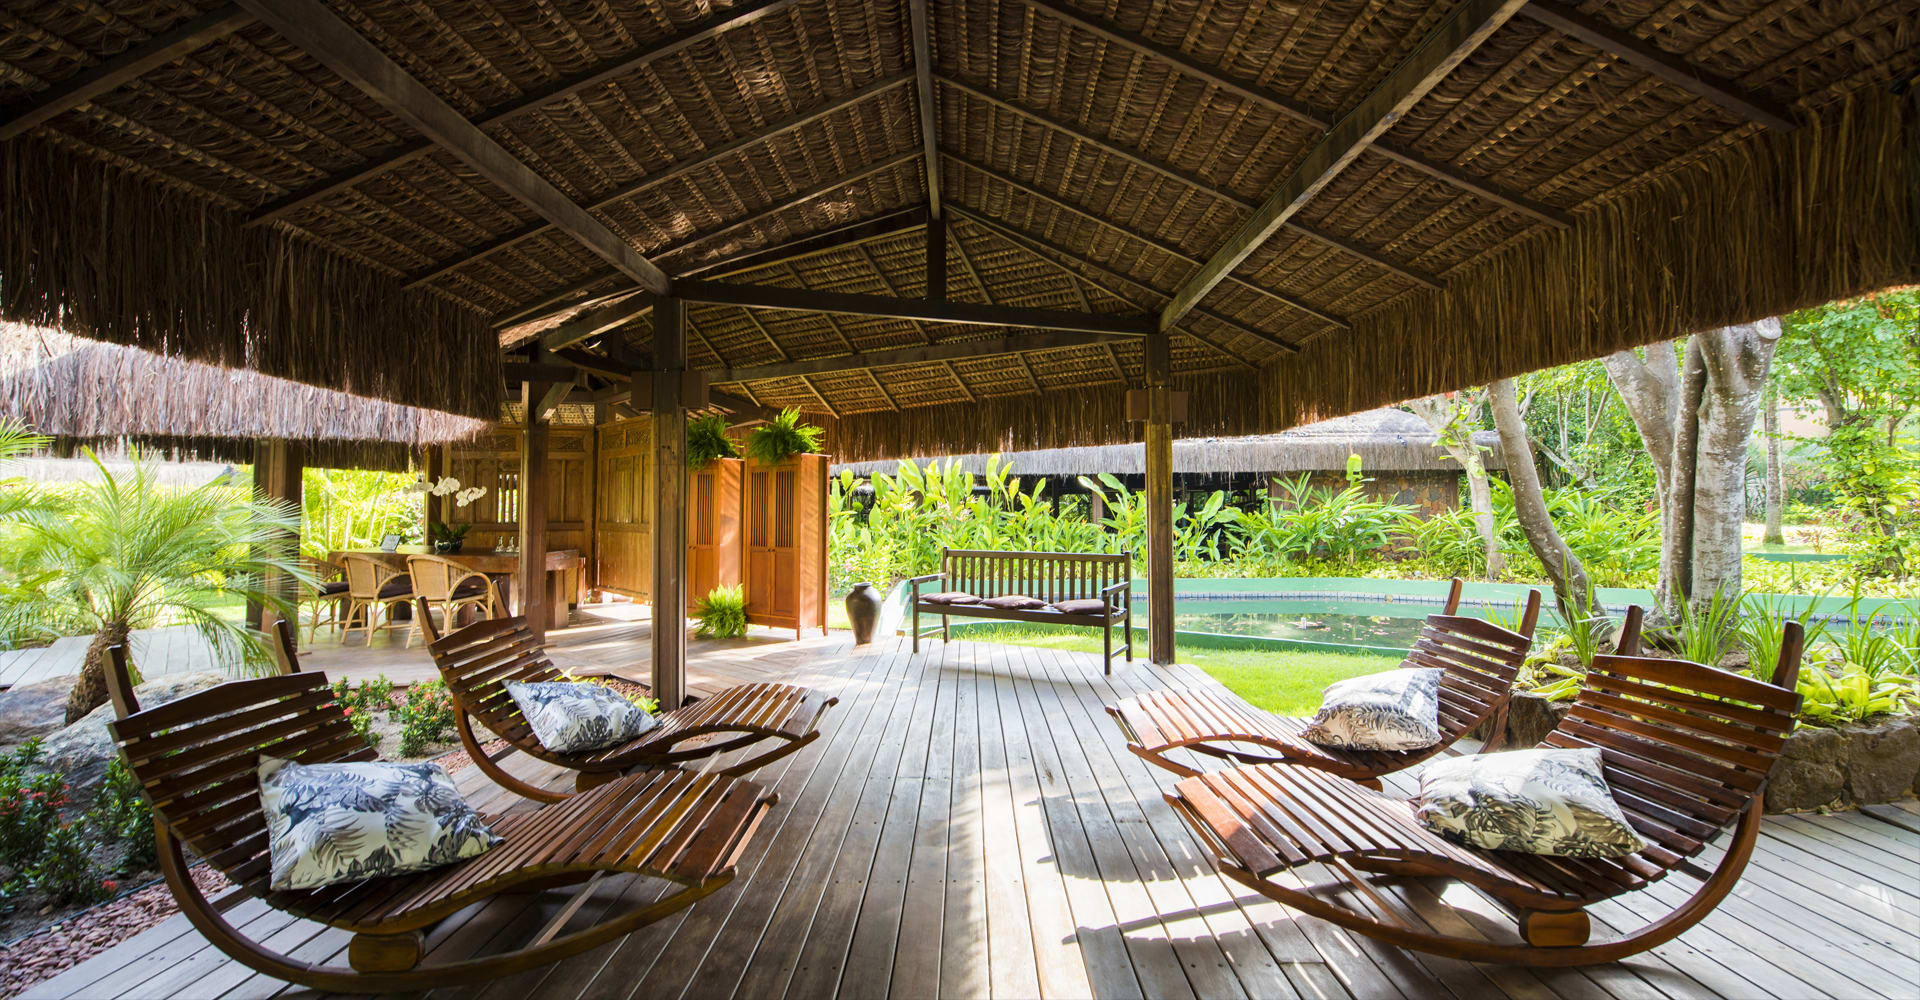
[(30, 805), (783, 437), (425, 714), (65, 870), (1763, 627), (121, 814), (1708, 634), (360, 701), (707, 440), (722, 613)]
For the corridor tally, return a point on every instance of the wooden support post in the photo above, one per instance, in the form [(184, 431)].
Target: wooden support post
[(936, 256), (433, 465), (533, 511), (669, 588), (276, 476), (1159, 438)]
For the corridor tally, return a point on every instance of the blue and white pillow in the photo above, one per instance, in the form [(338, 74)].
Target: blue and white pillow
[(1552, 801), (331, 823), (578, 717), (1395, 709)]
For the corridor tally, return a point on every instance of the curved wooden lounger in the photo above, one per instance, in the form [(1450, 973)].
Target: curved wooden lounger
[(1480, 658), (197, 758), (1687, 750), (477, 662)]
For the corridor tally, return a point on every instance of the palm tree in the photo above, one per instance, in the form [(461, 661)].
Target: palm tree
[(125, 553)]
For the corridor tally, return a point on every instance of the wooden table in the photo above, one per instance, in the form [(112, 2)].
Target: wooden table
[(563, 566)]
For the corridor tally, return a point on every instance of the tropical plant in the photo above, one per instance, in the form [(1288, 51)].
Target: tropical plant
[(1763, 627), (1836, 694), (722, 613), (1707, 632), (355, 509), (425, 715), (782, 438), (121, 813), (124, 552), (707, 440)]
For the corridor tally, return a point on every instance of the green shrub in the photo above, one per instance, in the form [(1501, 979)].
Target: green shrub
[(120, 813), (707, 440), (360, 701), (782, 438), (722, 613), (425, 714), (65, 870), (30, 805)]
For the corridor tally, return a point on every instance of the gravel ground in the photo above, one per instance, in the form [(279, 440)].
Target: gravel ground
[(58, 947)]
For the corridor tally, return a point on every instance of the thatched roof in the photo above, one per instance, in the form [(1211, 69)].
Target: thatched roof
[(1387, 440), (104, 396), (1567, 181)]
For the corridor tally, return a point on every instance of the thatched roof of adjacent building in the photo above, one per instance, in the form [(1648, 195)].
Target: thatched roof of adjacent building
[(1332, 204), (105, 396), (1387, 440)]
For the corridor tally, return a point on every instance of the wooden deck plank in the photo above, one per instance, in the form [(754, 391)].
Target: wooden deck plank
[(970, 823)]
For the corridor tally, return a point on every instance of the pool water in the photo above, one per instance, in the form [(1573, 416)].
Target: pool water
[(1349, 622)]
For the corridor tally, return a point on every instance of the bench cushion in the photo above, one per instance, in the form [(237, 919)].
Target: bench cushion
[(1082, 606), (1015, 602), (949, 597), (345, 822)]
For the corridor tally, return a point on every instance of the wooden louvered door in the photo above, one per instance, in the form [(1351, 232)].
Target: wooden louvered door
[(786, 550), (713, 529)]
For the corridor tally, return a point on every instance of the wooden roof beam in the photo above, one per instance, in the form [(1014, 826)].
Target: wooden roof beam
[(1147, 163), (844, 237), (1048, 251), (1643, 56), (1249, 91), (922, 354), (969, 313), (1449, 44), (670, 173), (595, 322), (309, 25), (703, 31), (923, 86), (1165, 248), (117, 71)]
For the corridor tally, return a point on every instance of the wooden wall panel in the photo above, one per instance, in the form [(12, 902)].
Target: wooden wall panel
[(623, 531)]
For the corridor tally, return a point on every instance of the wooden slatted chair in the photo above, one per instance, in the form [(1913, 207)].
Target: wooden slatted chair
[(197, 758), (1481, 660), (477, 661), (1687, 750)]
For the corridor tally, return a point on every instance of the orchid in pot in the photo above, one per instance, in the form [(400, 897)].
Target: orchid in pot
[(447, 538)]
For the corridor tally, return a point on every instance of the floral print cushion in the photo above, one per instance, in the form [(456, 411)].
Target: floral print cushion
[(1537, 801), (331, 823), (577, 717), (1392, 710)]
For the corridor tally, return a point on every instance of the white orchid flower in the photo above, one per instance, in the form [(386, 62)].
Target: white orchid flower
[(467, 496), (445, 486), (421, 485)]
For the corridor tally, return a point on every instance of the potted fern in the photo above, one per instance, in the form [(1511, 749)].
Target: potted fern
[(782, 438), (707, 441)]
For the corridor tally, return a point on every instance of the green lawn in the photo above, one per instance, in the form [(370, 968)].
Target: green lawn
[(1282, 681)]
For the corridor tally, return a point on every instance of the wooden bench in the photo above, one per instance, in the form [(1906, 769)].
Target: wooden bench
[(1053, 577)]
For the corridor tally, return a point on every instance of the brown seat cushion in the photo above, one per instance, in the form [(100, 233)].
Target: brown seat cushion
[(949, 597), (1015, 602), (1082, 606), (397, 588), (331, 588)]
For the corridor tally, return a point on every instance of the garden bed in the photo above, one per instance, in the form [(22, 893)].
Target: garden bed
[(1821, 767)]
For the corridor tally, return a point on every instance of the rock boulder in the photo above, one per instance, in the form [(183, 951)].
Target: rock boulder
[(80, 752), (36, 709)]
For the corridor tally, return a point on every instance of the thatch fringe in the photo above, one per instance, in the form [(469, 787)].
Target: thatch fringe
[(1767, 226), (95, 251)]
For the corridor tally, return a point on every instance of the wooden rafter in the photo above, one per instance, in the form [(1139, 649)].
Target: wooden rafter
[(595, 322), (1299, 112), (923, 85), (839, 238), (922, 354), (1137, 236), (111, 74), (1145, 162), (967, 313), (1642, 55), (580, 83), (671, 173), (1449, 44), (309, 25)]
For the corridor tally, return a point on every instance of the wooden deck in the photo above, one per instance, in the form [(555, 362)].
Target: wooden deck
[(971, 825)]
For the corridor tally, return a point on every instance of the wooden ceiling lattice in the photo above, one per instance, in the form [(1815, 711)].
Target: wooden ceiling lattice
[(1330, 201)]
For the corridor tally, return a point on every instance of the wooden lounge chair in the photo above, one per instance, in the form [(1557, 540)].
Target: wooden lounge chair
[(1687, 750), (197, 758), (477, 662), (1480, 658)]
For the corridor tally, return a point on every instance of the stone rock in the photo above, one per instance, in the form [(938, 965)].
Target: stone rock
[(80, 752), (1812, 771), (36, 709), (1882, 761)]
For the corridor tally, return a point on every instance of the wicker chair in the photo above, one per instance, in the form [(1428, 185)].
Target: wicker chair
[(447, 586), (373, 588), (327, 597)]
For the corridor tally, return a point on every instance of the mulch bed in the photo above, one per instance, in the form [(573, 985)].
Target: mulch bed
[(58, 947)]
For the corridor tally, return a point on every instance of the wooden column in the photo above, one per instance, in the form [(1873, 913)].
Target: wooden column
[(1159, 438), (936, 256), (277, 465), (433, 465), (533, 510), (669, 588)]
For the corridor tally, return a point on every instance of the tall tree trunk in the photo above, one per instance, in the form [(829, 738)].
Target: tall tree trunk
[(1571, 588), (1439, 413), (1776, 475), (90, 691)]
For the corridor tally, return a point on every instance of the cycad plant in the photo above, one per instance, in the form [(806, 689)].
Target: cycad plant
[(125, 553)]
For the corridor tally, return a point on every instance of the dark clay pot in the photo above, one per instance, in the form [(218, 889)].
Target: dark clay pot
[(863, 609)]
